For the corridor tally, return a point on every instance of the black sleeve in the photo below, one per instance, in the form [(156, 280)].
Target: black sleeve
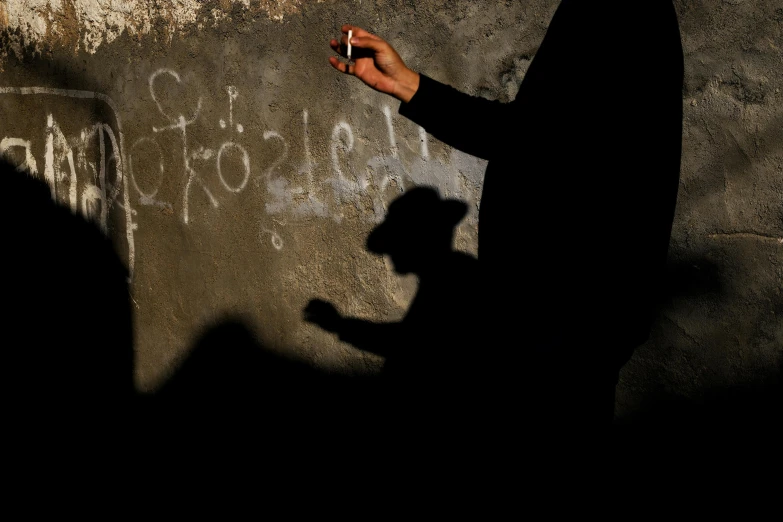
[(471, 124)]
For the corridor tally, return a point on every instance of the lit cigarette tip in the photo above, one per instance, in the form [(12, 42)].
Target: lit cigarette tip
[(350, 34)]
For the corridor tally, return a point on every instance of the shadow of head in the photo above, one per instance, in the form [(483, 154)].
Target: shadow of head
[(68, 328), (418, 229)]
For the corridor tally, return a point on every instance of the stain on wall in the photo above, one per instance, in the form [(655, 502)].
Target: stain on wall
[(238, 174), (86, 25)]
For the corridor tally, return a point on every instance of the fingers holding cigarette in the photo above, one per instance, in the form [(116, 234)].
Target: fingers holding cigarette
[(346, 47), (344, 50), (347, 68), (356, 31)]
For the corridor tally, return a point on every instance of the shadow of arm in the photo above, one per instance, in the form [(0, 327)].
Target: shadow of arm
[(369, 336)]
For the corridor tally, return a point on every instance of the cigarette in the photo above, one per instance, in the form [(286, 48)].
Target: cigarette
[(350, 34)]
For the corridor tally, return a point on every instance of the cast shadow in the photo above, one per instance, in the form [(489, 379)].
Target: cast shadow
[(688, 278), (232, 395), (68, 336), (730, 431), (434, 382)]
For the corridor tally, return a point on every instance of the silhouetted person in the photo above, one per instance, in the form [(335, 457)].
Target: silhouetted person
[(577, 203), (432, 390)]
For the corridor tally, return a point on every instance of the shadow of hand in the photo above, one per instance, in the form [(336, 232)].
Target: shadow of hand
[(323, 314)]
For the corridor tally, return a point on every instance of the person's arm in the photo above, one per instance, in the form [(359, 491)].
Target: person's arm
[(471, 124), (369, 336)]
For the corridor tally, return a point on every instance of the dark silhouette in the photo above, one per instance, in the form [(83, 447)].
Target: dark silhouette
[(231, 393), (434, 375), (577, 204), (725, 435), (68, 351)]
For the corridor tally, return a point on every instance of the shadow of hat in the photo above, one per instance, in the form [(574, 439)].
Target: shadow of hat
[(418, 216)]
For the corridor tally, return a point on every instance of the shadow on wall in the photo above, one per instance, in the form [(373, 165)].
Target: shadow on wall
[(727, 433), (69, 362), (429, 407), (68, 347), (690, 277), (69, 370), (436, 383), (233, 394)]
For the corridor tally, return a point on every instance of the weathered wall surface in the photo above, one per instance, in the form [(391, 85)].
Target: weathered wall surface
[(238, 173), (722, 324)]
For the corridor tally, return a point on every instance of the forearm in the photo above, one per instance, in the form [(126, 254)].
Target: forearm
[(369, 336), (472, 124)]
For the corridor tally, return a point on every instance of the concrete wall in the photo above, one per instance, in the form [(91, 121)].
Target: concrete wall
[(239, 174)]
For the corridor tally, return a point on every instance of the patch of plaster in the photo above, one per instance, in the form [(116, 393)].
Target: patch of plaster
[(88, 24)]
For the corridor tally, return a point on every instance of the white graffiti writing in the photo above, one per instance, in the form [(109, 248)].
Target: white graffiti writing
[(98, 194)]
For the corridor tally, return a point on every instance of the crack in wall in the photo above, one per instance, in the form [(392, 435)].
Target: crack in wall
[(746, 235)]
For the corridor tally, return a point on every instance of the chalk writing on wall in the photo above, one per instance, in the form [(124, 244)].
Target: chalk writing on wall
[(288, 181), (98, 194), (298, 193)]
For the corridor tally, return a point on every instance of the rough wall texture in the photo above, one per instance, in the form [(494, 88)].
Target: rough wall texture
[(239, 174)]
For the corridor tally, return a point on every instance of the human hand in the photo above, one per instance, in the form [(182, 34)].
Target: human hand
[(376, 63), (323, 314)]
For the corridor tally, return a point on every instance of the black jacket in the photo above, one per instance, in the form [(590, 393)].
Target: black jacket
[(579, 193)]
